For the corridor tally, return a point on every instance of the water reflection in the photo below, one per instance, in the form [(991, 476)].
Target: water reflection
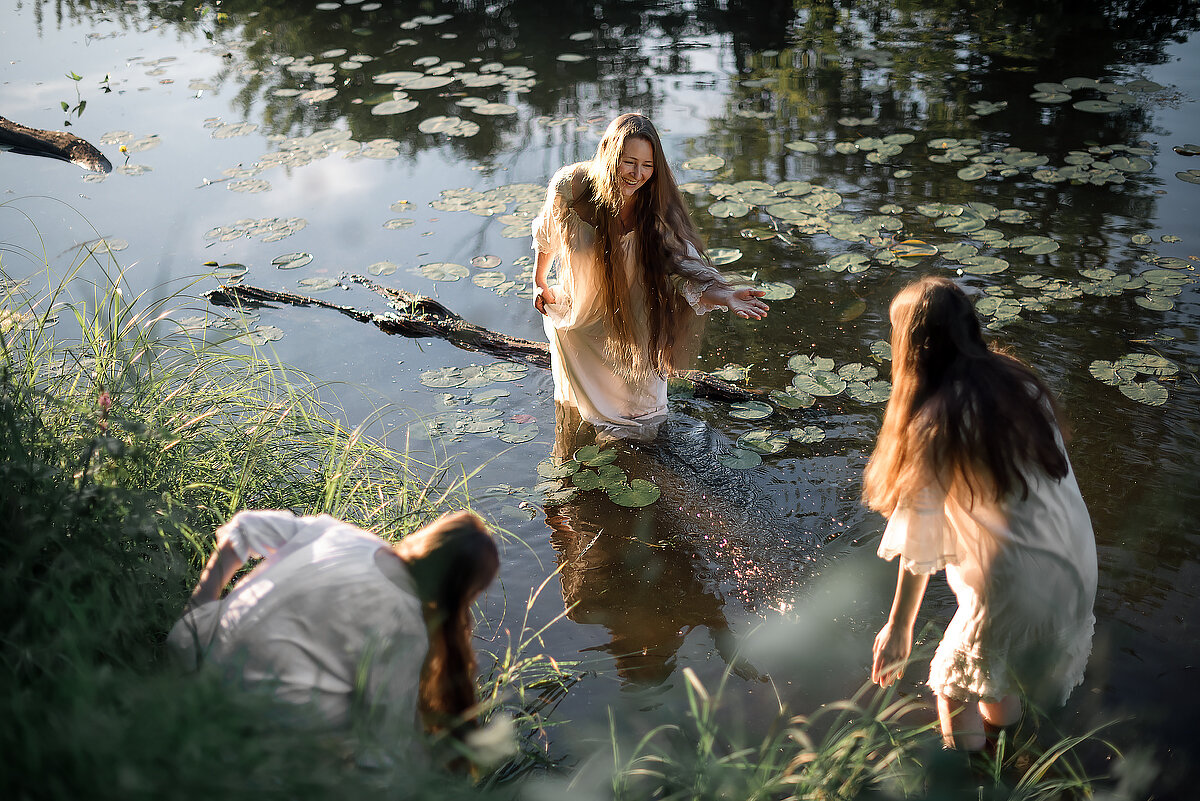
[(653, 575)]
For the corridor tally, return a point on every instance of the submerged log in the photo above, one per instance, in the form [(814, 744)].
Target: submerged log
[(421, 316), (52, 144)]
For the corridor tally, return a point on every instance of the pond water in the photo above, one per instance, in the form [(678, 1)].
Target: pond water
[(1042, 152)]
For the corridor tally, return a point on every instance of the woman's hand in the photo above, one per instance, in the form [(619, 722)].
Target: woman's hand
[(893, 644), (545, 295), (747, 303)]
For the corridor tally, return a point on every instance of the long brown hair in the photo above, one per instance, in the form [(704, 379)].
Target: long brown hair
[(452, 560), (664, 230), (961, 414)]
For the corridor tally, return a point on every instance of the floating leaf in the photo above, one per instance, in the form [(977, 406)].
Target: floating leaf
[(869, 391), (777, 290), (763, 441), (749, 410), (801, 147), (983, 265), (807, 435), (389, 107), (1150, 393), (485, 262), (261, 336), (854, 262), (443, 377), (1191, 176), (708, 162), (516, 433), (722, 256), (729, 208), (318, 284), (1096, 106), (732, 372), (381, 268), (593, 456), (640, 492), (444, 271), (739, 459), (792, 399), (803, 363), (292, 261), (586, 480), (820, 383)]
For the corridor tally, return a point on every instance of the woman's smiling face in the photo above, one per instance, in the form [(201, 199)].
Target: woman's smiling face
[(636, 165)]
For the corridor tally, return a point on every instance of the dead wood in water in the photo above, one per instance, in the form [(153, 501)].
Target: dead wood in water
[(420, 316), (53, 144)]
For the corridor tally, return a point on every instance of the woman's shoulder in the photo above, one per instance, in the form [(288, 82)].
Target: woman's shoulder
[(568, 181)]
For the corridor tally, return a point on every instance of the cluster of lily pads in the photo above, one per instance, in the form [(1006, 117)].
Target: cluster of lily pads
[(1124, 374), (592, 468), (816, 376), (475, 386)]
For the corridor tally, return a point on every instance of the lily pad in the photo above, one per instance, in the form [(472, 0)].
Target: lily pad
[(381, 268), (763, 441), (593, 456), (318, 284), (821, 383), (722, 256), (640, 492), (750, 410), (444, 271), (516, 433), (778, 290), (801, 147), (807, 435), (729, 208), (732, 372), (707, 163), (586, 480), (1096, 106), (443, 377), (1150, 393), (739, 459), (793, 399)]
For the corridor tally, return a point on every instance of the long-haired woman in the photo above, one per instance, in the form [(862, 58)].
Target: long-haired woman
[(971, 472), (353, 631), (632, 280)]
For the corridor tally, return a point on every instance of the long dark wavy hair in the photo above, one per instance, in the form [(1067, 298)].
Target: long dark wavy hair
[(961, 414), (664, 230), (452, 561)]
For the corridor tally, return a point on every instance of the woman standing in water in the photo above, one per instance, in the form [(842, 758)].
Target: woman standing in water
[(971, 472), (632, 281)]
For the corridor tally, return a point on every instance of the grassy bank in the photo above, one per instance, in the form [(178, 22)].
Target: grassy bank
[(125, 439)]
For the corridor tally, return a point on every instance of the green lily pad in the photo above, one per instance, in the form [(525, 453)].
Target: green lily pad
[(778, 290), (640, 492), (292, 261), (973, 172), (261, 336), (1191, 176), (516, 433), (611, 476), (857, 372), (443, 377), (750, 410), (1154, 302), (821, 383), (791, 400), (803, 363), (983, 265), (869, 391), (485, 262), (444, 271), (763, 441), (854, 262), (801, 147), (586, 480), (390, 107), (729, 208), (1096, 106), (1150, 393), (381, 268), (722, 256), (732, 372), (707, 163), (807, 435), (557, 468), (593, 456), (318, 284), (739, 459)]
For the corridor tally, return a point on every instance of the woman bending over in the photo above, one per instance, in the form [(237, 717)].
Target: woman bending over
[(632, 280), (971, 472), (348, 628)]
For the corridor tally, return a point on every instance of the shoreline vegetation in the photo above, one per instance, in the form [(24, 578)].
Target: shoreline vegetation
[(127, 440)]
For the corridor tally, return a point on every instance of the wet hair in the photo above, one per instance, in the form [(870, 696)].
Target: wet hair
[(962, 415), (664, 230), (452, 560)]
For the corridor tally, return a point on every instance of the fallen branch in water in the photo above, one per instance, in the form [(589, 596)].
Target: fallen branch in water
[(421, 316), (53, 144)]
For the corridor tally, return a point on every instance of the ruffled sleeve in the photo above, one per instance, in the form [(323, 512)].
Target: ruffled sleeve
[(260, 532), (547, 226), (920, 534), (692, 277)]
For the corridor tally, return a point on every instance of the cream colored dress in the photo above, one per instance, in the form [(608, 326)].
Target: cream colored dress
[(1024, 573), (316, 623), (583, 376)]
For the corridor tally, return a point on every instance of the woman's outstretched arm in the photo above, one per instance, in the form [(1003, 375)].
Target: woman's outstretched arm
[(893, 644), (744, 302), (221, 567)]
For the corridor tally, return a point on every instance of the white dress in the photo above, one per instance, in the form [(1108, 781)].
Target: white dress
[(583, 376), (1024, 573), (316, 623)]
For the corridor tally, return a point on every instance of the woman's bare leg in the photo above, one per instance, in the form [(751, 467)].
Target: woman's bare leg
[(1004, 712), (962, 725)]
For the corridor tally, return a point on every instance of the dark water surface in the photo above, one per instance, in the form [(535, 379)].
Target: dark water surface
[(776, 559)]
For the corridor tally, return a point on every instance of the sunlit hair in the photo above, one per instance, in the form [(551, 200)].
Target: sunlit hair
[(961, 414), (664, 229), (452, 560)]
